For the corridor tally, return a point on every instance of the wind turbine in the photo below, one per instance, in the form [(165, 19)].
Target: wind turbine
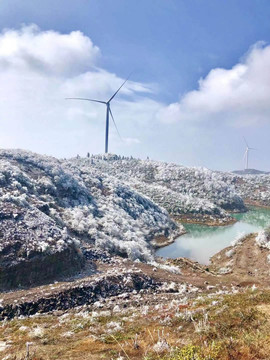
[(247, 153), (108, 113)]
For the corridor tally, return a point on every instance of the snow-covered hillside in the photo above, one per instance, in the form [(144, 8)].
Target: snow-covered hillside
[(60, 202), (180, 190), (50, 208), (254, 188)]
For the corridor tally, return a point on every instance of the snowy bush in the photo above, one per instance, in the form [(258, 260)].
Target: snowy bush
[(224, 270), (238, 239), (71, 200), (263, 239), (180, 190), (254, 188), (229, 253)]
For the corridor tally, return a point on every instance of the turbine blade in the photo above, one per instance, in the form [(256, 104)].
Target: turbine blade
[(253, 149), (98, 101), (245, 141), (119, 88), (115, 123)]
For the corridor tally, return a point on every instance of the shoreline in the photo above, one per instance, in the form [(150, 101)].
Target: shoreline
[(256, 204), (203, 222), (185, 219), (162, 241)]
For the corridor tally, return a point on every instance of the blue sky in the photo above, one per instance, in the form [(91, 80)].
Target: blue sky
[(170, 45)]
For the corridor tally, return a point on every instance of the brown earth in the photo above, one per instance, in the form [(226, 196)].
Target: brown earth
[(257, 203), (242, 265), (247, 263), (247, 258), (165, 301), (204, 220)]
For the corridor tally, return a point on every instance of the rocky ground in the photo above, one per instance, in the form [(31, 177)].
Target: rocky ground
[(119, 309)]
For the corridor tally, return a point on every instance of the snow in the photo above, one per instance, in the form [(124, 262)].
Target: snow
[(170, 268), (180, 190), (70, 200), (253, 187), (263, 239), (161, 346), (116, 204), (224, 270), (37, 332), (238, 239), (68, 334), (229, 253), (114, 326)]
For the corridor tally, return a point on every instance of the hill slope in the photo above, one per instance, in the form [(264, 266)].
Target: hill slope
[(48, 207), (198, 193)]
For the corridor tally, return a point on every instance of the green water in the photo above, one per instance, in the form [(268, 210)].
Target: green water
[(201, 241)]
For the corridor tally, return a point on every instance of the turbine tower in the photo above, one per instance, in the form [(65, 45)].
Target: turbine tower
[(246, 155), (108, 113)]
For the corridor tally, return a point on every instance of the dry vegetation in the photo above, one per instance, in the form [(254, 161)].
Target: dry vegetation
[(217, 326)]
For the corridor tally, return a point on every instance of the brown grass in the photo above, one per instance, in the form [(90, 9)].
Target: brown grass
[(236, 328)]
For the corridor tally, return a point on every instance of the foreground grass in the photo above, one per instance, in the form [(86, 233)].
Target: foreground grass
[(235, 326)]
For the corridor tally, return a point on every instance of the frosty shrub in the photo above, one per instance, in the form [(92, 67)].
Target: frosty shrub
[(72, 200)]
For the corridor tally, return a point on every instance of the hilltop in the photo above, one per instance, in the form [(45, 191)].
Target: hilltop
[(188, 194), (249, 172)]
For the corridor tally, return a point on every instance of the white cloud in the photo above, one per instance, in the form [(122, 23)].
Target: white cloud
[(49, 51), (239, 96)]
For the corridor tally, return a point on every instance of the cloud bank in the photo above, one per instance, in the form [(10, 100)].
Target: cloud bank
[(47, 52), (239, 96)]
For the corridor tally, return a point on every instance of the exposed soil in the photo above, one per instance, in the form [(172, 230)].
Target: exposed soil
[(162, 241), (110, 277), (246, 263), (78, 318), (258, 204), (204, 220)]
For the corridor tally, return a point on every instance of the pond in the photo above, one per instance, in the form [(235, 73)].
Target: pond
[(201, 241)]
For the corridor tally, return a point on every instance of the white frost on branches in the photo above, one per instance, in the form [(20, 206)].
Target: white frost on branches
[(69, 200), (263, 239)]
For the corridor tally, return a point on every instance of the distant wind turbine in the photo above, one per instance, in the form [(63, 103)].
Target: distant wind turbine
[(108, 113), (246, 155)]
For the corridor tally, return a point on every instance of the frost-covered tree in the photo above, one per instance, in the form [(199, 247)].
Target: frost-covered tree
[(93, 207)]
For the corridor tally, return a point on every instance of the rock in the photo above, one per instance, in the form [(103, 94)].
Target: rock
[(89, 292), (33, 249)]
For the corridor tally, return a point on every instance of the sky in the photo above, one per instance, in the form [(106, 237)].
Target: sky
[(200, 78)]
